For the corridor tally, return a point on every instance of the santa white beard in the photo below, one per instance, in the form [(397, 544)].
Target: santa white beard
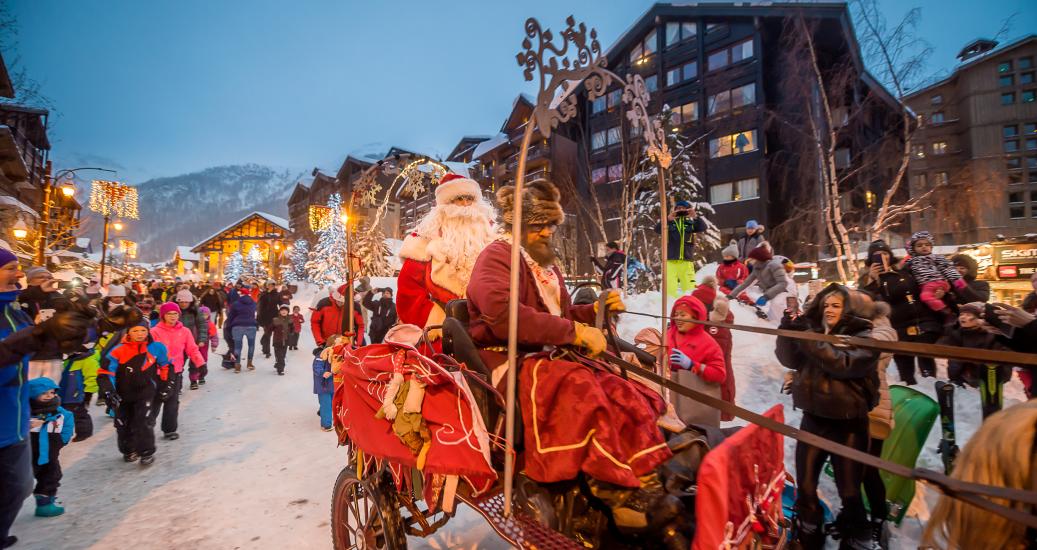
[(458, 234)]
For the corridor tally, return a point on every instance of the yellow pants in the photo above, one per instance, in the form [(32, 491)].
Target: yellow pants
[(680, 278)]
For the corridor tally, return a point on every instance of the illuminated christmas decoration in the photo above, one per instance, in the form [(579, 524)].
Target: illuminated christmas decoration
[(128, 248), (111, 198), (320, 217)]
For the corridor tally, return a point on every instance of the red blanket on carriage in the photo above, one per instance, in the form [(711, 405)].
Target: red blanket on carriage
[(739, 488), (458, 443)]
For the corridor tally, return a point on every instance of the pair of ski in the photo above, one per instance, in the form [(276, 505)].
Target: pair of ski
[(991, 397)]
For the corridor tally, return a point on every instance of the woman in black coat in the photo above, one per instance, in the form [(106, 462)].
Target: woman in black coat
[(835, 386), (912, 319)]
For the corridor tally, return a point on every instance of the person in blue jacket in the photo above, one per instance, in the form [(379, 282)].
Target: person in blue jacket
[(324, 388), (19, 340), (51, 427), (241, 318), (133, 373)]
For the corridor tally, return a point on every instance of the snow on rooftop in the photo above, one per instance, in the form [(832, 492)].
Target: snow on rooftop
[(186, 254), (7, 200), (489, 145), (460, 168), (276, 220)]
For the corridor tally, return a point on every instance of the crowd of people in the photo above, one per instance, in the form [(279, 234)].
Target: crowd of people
[(146, 334)]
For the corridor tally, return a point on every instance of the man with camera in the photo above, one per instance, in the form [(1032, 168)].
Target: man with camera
[(383, 313), (681, 226)]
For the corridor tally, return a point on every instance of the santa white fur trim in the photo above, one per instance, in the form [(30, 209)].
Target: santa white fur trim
[(415, 247), (453, 186)]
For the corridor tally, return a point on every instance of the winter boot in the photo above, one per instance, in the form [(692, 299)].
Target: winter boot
[(194, 385), (880, 533), (280, 372), (47, 507), (202, 381), (251, 366), (147, 459), (172, 436), (130, 457), (8, 542), (809, 536), (237, 368)]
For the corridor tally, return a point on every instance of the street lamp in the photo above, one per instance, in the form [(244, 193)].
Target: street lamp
[(20, 230), (111, 198), (68, 189), (117, 226)]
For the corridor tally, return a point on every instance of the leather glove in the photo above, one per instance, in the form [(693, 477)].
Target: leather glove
[(589, 338), (67, 328), (165, 390), (761, 301), (435, 334), (679, 359), (614, 302)]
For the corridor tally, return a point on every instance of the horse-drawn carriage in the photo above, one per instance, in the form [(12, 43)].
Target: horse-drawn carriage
[(425, 431)]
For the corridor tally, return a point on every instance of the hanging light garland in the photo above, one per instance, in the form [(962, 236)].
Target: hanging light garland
[(320, 217), (112, 198), (128, 248)]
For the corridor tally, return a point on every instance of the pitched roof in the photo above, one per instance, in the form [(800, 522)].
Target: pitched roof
[(185, 253), (968, 63), (489, 145), (276, 220)]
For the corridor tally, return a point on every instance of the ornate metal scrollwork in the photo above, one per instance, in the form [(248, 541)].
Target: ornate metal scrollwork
[(635, 94), (551, 63)]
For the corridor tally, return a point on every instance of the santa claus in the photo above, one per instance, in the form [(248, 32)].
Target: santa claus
[(438, 256)]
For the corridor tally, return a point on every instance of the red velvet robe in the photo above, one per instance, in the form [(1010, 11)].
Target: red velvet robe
[(577, 416)]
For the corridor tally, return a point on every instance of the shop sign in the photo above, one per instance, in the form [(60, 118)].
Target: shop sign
[(1018, 261)]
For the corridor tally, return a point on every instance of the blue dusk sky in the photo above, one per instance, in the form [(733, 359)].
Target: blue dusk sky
[(161, 88)]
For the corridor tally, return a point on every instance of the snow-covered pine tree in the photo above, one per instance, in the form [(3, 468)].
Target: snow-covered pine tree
[(298, 256), (327, 261), (254, 266), (235, 267), (682, 184), (373, 253)]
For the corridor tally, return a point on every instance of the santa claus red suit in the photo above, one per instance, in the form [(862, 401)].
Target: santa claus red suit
[(438, 256), (326, 319)]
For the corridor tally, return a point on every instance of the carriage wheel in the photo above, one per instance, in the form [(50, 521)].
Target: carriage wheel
[(364, 514)]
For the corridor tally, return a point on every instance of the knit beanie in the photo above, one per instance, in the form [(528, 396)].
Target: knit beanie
[(541, 204), (204, 310), (167, 307), (39, 385), (751, 224), (34, 272), (115, 291), (975, 308), (919, 236), (731, 250), (876, 246), (184, 296), (761, 254), (682, 204), (6, 257)]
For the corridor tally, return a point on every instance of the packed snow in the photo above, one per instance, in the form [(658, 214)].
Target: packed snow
[(252, 468)]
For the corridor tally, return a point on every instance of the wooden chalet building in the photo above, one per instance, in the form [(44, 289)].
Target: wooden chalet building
[(723, 70), (265, 232)]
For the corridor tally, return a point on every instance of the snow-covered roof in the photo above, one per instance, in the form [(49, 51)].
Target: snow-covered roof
[(489, 145), (7, 200), (460, 168), (276, 220), (185, 253), (940, 80), (83, 242)]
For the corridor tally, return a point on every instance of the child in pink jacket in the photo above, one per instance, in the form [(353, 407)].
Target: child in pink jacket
[(180, 345)]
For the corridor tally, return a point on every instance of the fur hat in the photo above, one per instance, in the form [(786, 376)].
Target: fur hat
[(452, 186), (721, 307), (731, 250), (540, 203)]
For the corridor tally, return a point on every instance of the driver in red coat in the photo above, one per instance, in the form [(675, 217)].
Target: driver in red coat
[(578, 416), (438, 256)]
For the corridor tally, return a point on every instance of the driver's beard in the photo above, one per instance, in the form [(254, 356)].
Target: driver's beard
[(541, 251)]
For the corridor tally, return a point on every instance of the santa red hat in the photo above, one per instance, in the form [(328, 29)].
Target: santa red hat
[(452, 186)]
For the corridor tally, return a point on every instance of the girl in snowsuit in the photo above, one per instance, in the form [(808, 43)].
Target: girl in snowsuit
[(50, 429), (180, 345), (932, 272), (194, 321), (696, 360), (719, 310), (730, 272), (135, 373)]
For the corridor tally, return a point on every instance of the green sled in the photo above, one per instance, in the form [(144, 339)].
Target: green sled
[(914, 414)]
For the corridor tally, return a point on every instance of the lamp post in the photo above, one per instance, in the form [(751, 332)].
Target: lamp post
[(68, 190), (348, 324)]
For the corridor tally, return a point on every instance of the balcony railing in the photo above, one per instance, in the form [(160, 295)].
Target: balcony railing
[(535, 152)]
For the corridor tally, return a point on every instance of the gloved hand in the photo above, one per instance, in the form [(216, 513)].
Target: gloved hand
[(679, 359), (730, 283), (589, 338), (614, 302), (435, 334), (786, 386), (165, 390), (112, 399), (67, 328), (761, 301)]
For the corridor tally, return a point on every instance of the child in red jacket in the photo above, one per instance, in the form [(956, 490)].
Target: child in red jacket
[(297, 321), (730, 272), (696, 359), (719, 309)]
